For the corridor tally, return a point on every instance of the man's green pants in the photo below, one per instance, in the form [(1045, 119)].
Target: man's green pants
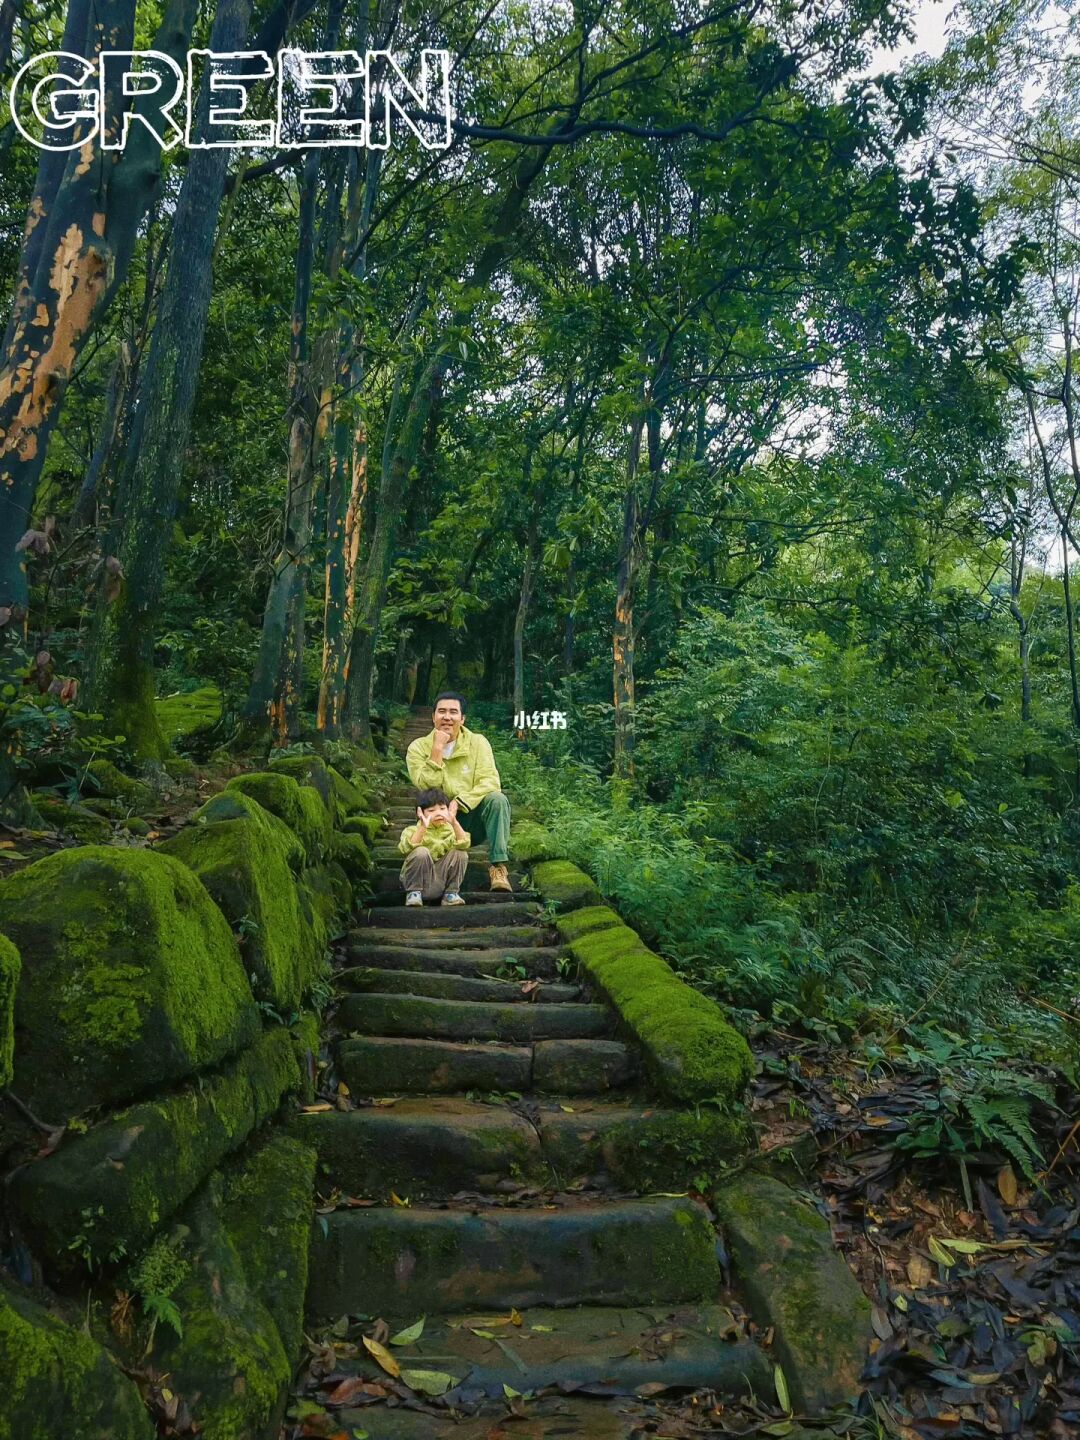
[(490, 820)]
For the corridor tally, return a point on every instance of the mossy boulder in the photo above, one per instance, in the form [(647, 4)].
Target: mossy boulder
[(299, 806), (308, 770), (104, 1194), (10, 968), (307, 1038), (182, 716), (103, 780), (530, 841), (78, 821), (229, 1366), (352, 854), (798, 1284), (690, 1049), (235, 805), (131, 977), (326, 898), (351, 797), (55, 1381), (245, 867), (369, 826), (585, 921), (562, 882)]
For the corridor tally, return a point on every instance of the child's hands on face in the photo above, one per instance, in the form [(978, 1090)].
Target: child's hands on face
[(437, 814)]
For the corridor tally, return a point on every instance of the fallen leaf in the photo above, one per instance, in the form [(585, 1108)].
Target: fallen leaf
[(782, 1394), (919, 1271), (383, 1356), (1006, 1183), (428, 1382), (409, 1335)]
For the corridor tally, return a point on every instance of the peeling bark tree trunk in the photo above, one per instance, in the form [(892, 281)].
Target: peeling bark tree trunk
[(622, 636), (121, 651), (80, 233)]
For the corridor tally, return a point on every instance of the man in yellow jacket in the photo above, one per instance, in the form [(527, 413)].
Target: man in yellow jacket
[(459, 762)]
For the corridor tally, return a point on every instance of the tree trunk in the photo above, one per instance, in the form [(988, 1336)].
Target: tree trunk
[(121, 681), (622, 636), (1074, 681), (528, 575), (80, 233)]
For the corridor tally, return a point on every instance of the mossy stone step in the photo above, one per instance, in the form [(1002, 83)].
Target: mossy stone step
[(373, 980), (392, 900), (451, 917), (538, 961), (388, 878), (425, 1018), (437, 1146), (401, 1263), (491, 937), (381, 1065), (693, 1348)]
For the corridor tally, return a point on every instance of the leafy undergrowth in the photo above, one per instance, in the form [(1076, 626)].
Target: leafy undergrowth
[(953, 1188)]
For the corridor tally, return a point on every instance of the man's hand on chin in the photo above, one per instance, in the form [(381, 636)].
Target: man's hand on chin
[(439, 743)]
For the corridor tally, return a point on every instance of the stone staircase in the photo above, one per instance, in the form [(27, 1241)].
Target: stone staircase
[(505, 1156)]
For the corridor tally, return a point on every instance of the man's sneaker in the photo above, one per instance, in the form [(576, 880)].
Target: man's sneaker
[(452, 898), (498, 877), (414, 897)]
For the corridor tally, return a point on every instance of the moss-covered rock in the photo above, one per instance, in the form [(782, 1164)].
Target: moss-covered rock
[(797, 1283), (307, 1039), (299, 806), (352, 854), (103, 1194), (326, 897), (183, 716), (369, 826), (245, 867), (562, 882), (308, 770), (530, 841), (10, 968), (351, 797), (78, 821), (235, 805), (690, 1049), (104, 780), (55, 1381), (229, 1365), (583, 922), (135, 825), (268, 1206), (131, 977)]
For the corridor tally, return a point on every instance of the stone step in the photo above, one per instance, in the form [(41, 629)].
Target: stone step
[(387, 878), (539, 962), (400, 1263), (429, 1019), (452, 917), (438, 1146), (391, 900), (654, 1348), (492, 937), (371, 979), (379, 1065)]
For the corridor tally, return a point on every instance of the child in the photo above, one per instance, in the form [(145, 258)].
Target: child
[(436, 851)]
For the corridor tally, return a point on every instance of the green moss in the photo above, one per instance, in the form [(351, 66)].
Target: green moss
[(326, 900), (352, 854), (307, 1039), (581, 922), (369, 826), (235, 805), (798, 1284), (10, 968), (529, 841), (102, 778), (691, 1050), (229, 1365), (245, 868), (651, 1150), (269, 1197), (55, 1381), (351, 797), (131, 977), (308, 770), (564, 883), (78, 821), (299, 806), (106, 1192), (180, 717)]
